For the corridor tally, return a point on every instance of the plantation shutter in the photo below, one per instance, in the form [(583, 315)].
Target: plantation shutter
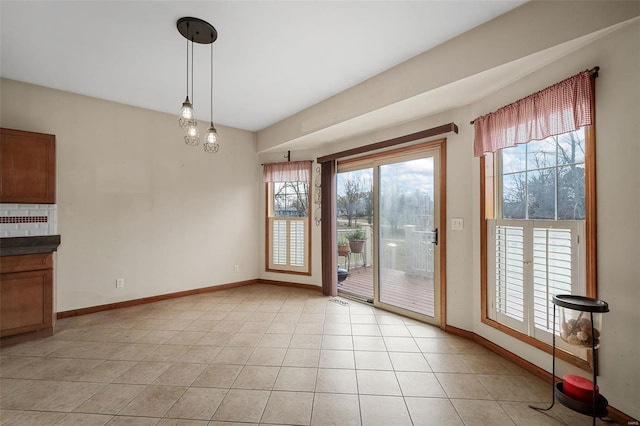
[(509, 274), (557, 262), (529, 263), (551, 271), (279, 241), (297, 242)]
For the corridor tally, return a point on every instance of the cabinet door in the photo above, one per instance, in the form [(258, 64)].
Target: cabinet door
[(26, 301), (27, 167)]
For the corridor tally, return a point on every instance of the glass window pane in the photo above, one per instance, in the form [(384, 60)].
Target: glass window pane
[(291, 199), (514, 159), (514, 191), (541, 154), (406, 218), (541, 200), (571, 192), (552, 191), (571, 147)]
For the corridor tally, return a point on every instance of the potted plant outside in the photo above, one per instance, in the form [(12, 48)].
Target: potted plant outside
[(356, 240), (343, 245)]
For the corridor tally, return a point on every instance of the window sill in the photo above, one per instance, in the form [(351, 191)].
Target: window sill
[(287, 271), (560, 354)]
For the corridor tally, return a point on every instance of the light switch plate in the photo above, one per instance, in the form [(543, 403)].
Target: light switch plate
[(457, 224)]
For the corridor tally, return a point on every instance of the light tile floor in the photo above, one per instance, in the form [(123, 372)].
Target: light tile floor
[(263, 355)]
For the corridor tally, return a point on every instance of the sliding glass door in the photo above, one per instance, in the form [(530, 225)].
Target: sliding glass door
[(408, 235), (394, 199)]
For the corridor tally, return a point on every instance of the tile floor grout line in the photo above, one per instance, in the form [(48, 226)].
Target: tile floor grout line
[(303, 314)]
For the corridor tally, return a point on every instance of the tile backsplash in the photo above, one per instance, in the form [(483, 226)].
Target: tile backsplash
[(28, 220)]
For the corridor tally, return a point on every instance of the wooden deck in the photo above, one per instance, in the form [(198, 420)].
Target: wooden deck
[(400, 289)]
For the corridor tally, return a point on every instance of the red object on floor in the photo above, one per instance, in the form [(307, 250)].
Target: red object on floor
[(578, 388)]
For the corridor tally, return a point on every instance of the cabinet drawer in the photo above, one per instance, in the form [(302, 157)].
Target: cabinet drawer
[(26, 262)]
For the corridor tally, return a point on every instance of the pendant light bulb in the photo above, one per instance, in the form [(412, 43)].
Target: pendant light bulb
[(212, 134), (191, 133), (187, 113), (211, 144)]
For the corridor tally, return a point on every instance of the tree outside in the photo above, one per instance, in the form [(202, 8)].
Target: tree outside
[(545, 179), (291, 199), (355, 196), (405, 207), (406, 197)]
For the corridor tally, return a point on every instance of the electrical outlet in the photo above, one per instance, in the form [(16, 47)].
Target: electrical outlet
[(236, 268), (120, 283)]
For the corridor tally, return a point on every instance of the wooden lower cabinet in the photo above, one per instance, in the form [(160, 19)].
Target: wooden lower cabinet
[(26, 294)]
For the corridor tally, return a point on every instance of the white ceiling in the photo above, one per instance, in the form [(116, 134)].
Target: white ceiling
[(271, 60)]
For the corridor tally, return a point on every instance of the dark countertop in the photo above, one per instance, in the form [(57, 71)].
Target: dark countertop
[(13, 246)]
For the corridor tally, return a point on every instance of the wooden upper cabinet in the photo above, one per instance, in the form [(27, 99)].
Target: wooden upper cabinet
[(27, 167)]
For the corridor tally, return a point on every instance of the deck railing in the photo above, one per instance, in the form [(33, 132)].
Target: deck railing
[(419, 252), (416, 250)]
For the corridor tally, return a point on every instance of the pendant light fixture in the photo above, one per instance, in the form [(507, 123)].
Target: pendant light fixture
[(186, 112), (191, 132), (211, 144), (196, 31)]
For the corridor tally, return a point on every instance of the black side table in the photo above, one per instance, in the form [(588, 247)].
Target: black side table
[(598, 405)]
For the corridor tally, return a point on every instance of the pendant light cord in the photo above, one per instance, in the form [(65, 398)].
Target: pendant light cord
[(212, 84), (192, 103), (187, 63)]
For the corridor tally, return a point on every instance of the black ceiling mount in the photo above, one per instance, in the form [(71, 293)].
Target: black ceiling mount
[(197, 30)]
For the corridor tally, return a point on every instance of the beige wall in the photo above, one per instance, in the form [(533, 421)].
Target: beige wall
[(618, 180), (135, 202)]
